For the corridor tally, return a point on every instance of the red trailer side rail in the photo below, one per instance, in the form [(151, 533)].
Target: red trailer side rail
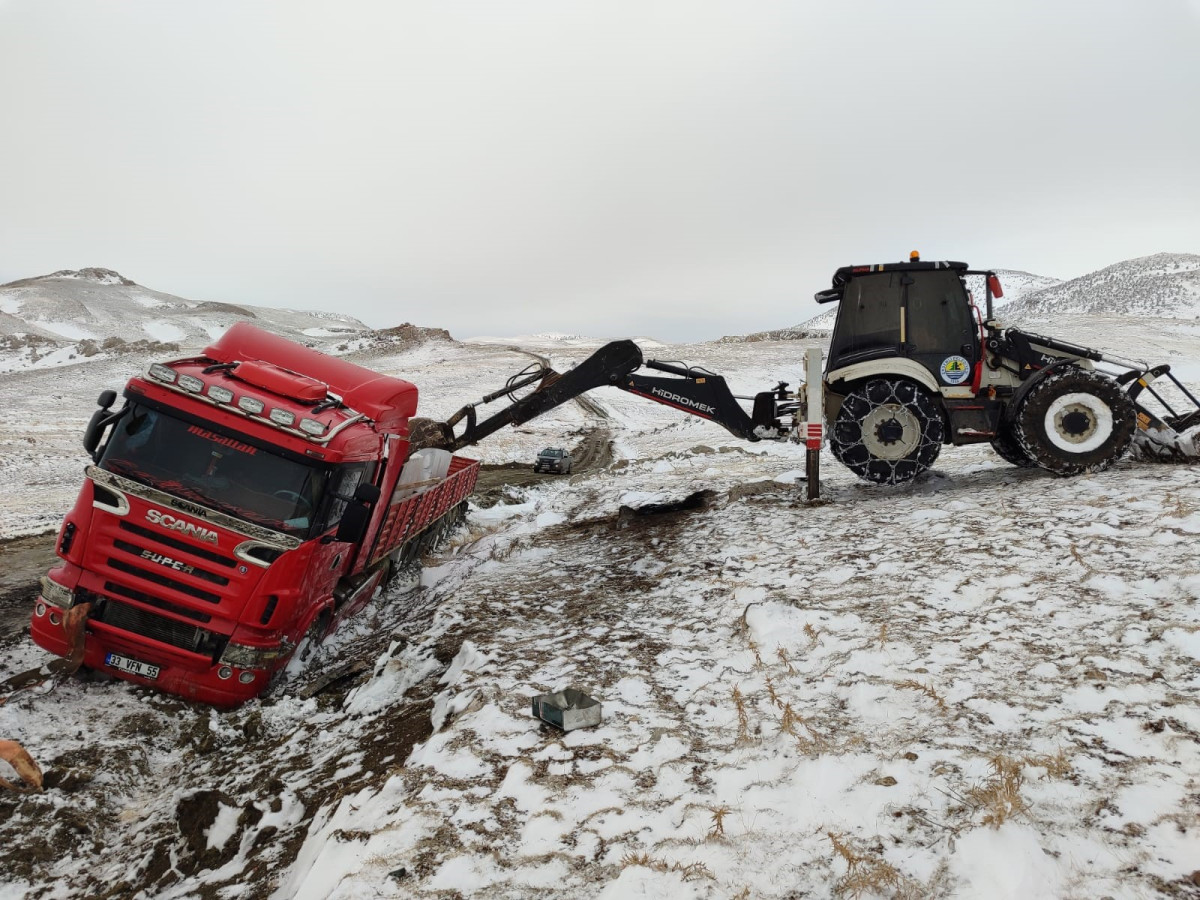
[(411, 513)]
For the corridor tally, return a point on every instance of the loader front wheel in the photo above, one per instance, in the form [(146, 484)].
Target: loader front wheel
[(1075, 421), (887, 431)]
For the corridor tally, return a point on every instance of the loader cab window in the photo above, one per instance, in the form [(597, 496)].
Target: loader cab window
[(868, 322), (940, 321)]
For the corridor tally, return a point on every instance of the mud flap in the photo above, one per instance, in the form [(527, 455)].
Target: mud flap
[(27, 770)]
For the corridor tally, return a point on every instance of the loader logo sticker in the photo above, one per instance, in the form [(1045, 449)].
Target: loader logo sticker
[(955, 370)]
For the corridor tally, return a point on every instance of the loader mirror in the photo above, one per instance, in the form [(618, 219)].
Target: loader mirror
[(106, 399), (829, 296), (994, 286)]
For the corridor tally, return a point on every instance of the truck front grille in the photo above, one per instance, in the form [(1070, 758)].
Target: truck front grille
[(167, 631), (122, 590), (121, 565), (167, 541)]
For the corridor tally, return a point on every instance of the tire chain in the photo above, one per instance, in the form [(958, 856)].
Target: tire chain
[(888, 471)]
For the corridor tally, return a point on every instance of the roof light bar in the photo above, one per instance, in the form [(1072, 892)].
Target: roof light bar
[(166, 374)]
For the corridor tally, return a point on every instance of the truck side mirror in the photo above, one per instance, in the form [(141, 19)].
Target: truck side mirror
[(357, 515), (366, 493), (99, 422)]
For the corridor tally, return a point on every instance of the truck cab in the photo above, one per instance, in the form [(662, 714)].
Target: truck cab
[(238, 501)]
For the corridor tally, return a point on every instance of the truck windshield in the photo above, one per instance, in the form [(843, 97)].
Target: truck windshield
[(215, 469)]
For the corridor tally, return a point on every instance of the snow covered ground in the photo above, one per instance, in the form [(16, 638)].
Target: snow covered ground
[(983, 684)]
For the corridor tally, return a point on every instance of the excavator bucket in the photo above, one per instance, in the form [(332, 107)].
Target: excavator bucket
[(27, 770), (1165, 432), (607, 366)]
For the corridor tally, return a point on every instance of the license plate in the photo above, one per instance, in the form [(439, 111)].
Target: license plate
[(133, 666)]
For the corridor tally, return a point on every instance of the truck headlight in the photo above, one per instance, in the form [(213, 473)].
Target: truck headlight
[(55, 594), (220, 394), (244, 656)]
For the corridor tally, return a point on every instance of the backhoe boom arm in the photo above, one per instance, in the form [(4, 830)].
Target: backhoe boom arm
[(693, 390)]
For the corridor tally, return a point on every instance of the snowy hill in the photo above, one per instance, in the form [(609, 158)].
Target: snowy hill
[(54, 319), (96, 311), (1165, 285)]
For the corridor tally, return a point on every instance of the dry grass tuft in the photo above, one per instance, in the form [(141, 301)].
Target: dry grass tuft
[(783, 658), (812, 744), (646, 861), (883, 635), (788, 724), (1056, 766), (771, 692), (866, 873), (1000, 796), (1079, 559), (717, 829), (743, 717), (814, 636), (758, 663), (926, 689)]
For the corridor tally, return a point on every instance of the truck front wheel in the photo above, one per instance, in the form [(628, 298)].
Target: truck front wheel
[(1075, 421), (888, 431)]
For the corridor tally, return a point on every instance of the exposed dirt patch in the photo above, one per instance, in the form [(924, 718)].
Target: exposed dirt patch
[(22, 561)]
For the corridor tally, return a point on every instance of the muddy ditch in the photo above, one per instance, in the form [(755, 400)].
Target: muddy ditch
[(23, 560)]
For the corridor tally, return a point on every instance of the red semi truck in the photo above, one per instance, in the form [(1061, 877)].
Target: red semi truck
[(240, 503)]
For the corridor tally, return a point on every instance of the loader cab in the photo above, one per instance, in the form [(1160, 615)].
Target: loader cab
[(916, 310)]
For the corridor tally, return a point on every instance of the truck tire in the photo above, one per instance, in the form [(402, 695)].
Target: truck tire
[(1009, 449), (1075, 421), (888, 431)]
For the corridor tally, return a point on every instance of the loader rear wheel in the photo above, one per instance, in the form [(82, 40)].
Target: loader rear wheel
[(1075, 421), (1009, 449), (888, 431)]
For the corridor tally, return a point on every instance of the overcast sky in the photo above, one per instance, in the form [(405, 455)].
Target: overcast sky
[(681, 169)]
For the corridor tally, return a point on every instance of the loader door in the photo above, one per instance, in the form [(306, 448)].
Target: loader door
[(941, 332), (868, 321)]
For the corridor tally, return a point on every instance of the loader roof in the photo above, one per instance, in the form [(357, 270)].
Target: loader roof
[(845, 273)]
